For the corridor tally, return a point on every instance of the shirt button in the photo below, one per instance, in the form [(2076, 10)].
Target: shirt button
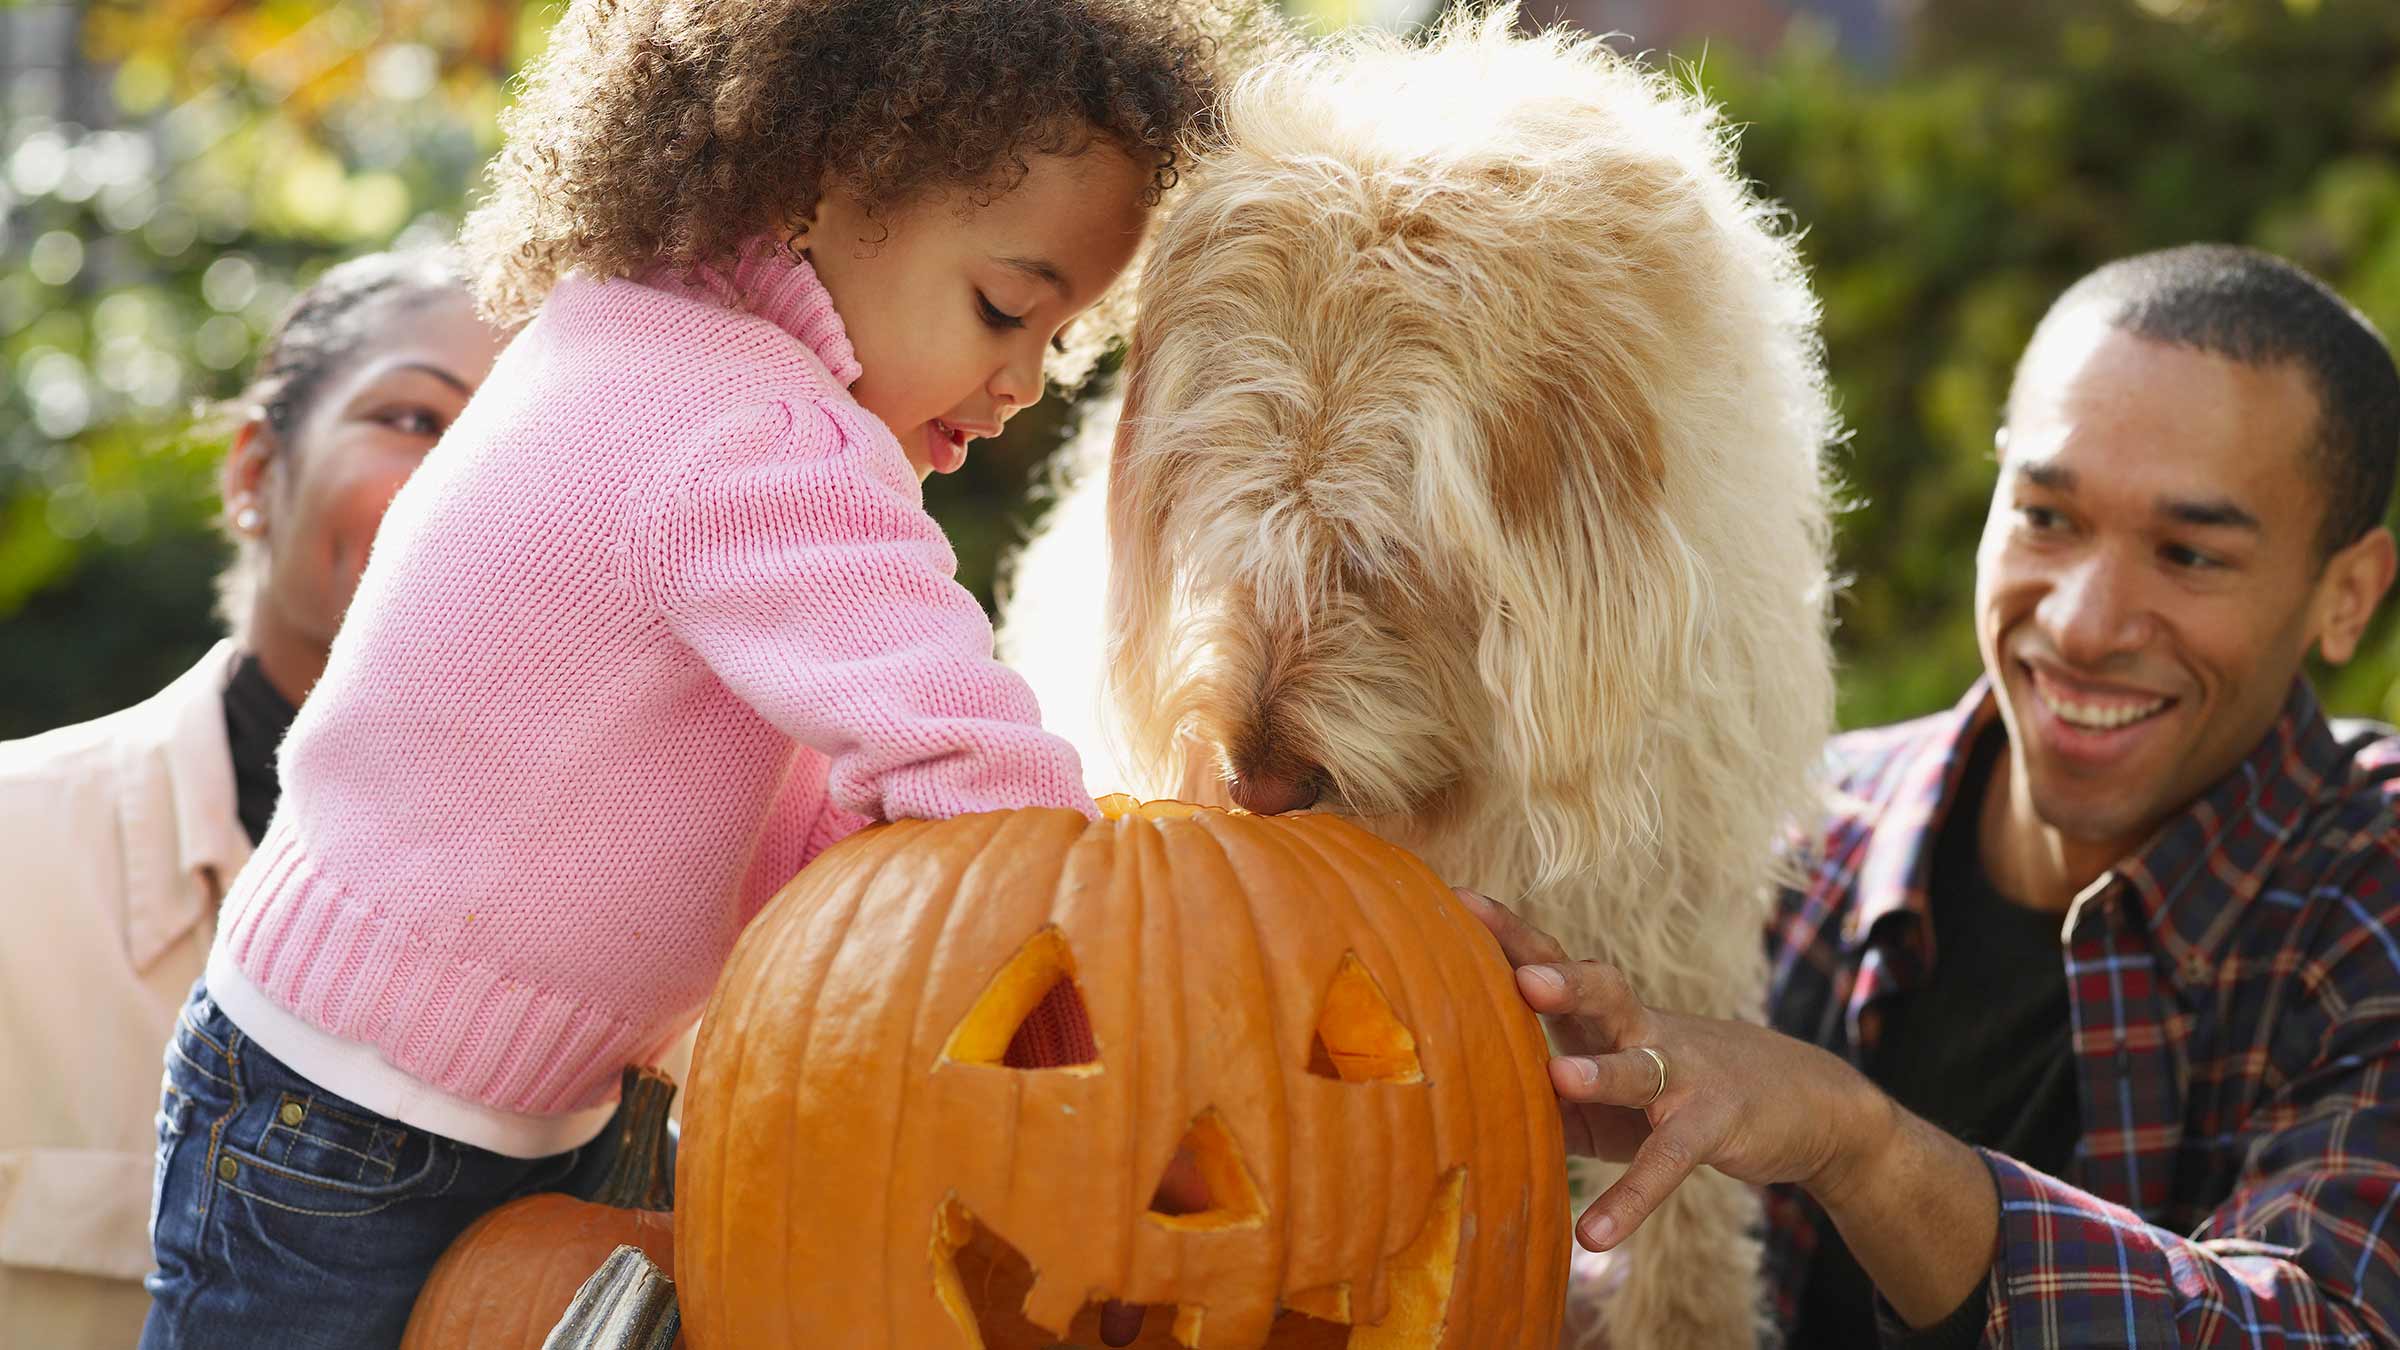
[(226, 1167), (292, 1114)]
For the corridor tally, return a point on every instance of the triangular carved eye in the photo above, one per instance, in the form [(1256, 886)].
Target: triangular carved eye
[(1031, 1016), (1359, 1038), (1206, 1186)]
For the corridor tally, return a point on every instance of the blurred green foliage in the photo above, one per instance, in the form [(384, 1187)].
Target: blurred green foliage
[(2026, 142), (141, 262), (1943, 204)]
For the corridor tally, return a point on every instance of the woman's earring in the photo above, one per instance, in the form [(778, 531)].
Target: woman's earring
[(247, 520)]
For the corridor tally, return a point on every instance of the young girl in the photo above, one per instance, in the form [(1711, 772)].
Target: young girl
[(662, 616)]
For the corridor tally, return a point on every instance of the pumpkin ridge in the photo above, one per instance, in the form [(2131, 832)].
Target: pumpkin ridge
[(1218, 828), (1514, 1021), (941, 906), (1154, 862), (1280, 1090), (1300, 850), (855, 894), (1215, 828), (1348, 850), (710, 1047), (1032, 851)]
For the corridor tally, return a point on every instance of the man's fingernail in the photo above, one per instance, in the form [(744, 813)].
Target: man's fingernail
[(1580, 1071), (1470, 899), (1599, 1232), (1547, 979)]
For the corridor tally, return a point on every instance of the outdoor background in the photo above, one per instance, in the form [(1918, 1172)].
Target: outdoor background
[(171, 170)]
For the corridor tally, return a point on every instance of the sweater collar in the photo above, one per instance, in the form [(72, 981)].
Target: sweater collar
[(770, 281)]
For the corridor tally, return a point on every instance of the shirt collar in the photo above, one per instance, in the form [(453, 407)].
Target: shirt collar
[(2232, 833), (1895, 873), (769, 280), (176, 760), (2204, 866)]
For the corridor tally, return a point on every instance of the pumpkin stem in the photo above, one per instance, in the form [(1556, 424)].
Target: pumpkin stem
[(628, 1304), (643, 1175)]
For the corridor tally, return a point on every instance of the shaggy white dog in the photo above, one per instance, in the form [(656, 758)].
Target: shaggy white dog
[(1468, 482)]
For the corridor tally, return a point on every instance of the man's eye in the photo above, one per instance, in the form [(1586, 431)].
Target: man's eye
[(2039, 517), (2179, 556), (993, 316)]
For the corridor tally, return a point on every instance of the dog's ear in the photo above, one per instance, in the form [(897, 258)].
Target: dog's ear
[(1591, 600), (1142, 584)]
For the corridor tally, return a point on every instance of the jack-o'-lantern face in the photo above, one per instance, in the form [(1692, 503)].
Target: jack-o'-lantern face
[(965, 1082)]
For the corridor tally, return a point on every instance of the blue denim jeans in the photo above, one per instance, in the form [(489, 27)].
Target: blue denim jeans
[(283, 1215)]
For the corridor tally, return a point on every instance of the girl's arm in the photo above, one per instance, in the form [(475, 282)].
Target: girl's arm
[(791, 551)]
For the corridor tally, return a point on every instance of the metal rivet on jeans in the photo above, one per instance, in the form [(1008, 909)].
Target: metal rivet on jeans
[(292, 1113), (226, 1167)]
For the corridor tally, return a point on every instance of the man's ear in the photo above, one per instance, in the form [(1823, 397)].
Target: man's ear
[(2353, 584)]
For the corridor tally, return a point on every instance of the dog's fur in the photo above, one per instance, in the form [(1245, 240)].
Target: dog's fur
[(1469, 466)]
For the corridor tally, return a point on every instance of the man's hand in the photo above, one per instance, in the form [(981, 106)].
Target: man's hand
[(1752, 1103), (1917, 1207)]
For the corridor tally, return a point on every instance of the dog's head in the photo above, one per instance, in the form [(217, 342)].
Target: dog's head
[(1469, 460)]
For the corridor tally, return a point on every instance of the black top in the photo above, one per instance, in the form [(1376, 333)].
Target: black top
[(256, 716), (1980, 1049)]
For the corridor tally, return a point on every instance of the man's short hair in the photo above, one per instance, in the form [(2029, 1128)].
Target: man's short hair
[(2255, 308)]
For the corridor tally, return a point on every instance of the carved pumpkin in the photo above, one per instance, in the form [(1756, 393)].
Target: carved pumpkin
[(1286, 1095), (507, 1280)]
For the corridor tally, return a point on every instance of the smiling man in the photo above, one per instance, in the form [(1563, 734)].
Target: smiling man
[(2088, 1012), (2193, 480)]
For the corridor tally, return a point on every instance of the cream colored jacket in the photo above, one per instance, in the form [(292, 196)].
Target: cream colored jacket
[(116, 839)]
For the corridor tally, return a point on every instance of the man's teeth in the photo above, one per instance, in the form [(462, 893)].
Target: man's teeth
[(2097, 717)]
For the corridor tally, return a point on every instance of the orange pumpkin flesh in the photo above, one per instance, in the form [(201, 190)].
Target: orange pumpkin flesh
[(1313, 1111), (507, 1280)]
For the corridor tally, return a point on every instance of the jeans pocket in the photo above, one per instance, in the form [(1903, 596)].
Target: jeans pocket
[(308, 1152), (173, 1119), (310, 1136)]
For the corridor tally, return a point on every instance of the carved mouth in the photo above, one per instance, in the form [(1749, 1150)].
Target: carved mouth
[(984, 1281), (1032, 1018)]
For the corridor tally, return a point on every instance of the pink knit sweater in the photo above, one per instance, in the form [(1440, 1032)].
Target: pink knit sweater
[(661, 618)]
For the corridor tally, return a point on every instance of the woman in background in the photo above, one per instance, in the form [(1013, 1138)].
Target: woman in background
[(118, 836)]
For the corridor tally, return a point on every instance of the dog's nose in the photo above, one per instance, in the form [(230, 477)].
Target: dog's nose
[(1274, 794)]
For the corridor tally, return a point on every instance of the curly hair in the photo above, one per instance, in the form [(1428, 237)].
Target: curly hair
[(674, 132)]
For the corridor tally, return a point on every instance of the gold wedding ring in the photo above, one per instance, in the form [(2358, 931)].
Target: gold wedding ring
[(1661, 1061)]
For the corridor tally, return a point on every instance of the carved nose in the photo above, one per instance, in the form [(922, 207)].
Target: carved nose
[(1272, 794)]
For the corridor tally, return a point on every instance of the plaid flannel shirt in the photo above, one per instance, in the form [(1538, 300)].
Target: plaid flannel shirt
[(2235, 1014)]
